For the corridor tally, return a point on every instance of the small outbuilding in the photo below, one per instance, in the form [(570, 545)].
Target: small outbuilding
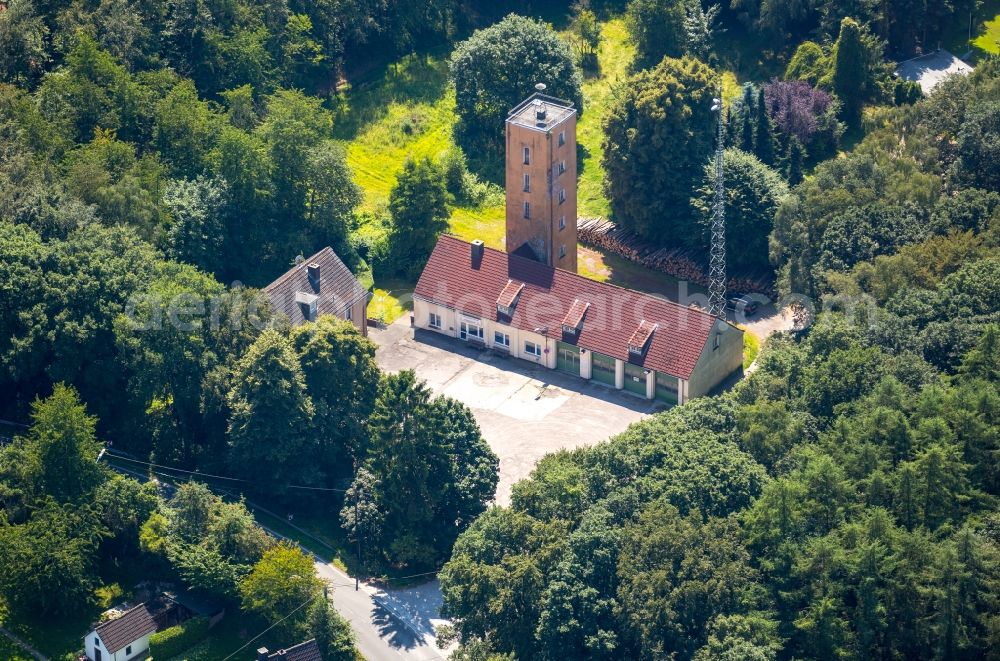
[(307, 651), (121, 638)]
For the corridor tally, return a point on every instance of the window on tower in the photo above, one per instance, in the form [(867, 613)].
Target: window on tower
[(562, 251), (527, 183), (562, 196), (562, 138), (527, 156), (527, 210), (562, 222), (562, 166)]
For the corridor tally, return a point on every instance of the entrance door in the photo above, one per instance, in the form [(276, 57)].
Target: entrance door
[(568, 358), (470, 330), (602, 368), (97, 653), (635, 379)]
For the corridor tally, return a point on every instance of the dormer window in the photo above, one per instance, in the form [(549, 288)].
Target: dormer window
[(574, 317), (309, 303), (508, 298), (640, 338)]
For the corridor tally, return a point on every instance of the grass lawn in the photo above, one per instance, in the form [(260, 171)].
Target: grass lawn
[(751, 347), (224, 639), (391, 300), (989, 39), (408, 109)]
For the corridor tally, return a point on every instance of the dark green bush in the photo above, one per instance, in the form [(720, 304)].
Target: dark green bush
[(171, 642)]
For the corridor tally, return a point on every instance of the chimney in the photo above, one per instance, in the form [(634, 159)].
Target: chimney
[(313, 268), (539, 111), (477, 251), (262, 654)]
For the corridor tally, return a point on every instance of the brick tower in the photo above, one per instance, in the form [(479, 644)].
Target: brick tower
[(541, 180)]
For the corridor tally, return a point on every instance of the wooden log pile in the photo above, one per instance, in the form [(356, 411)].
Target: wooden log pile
[(603, 234)]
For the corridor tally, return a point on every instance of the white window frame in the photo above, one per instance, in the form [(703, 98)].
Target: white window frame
[(471, 329), (562, 196), (562, 222), (502, 339), (536, 352), (527, 183), (562, 166), (434, 320)]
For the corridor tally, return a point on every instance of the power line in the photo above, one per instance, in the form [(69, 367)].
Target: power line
[(216, 477), (297, 608)]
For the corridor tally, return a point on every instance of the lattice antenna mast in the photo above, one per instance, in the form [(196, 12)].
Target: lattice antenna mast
[(717, 265)]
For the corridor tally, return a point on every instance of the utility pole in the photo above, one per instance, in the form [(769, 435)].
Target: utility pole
[(717, 263)]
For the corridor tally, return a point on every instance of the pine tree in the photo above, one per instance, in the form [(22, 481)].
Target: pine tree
[(764, 133), (793, 162), (849, 70), (746, 110)]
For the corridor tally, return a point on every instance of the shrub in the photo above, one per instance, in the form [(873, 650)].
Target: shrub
[(171, 642)]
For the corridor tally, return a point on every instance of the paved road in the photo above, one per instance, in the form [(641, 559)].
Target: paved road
[(380, 634)]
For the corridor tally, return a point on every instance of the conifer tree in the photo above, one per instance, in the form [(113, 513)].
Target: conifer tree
[(793, 162), (764, 133)]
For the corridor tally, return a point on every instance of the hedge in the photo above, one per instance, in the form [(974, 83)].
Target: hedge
[(171, 642)]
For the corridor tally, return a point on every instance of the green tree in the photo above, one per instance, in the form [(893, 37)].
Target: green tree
[(198, 230), (418, 204), (658, 136), (657, 28), (809, 63), (50, 561), (852, 76), (63, 439), (436, 473), (497, 68), (22, 43), (793, 162), (764, 143), (270, 427), (332, 632), (184, 129), (984, 361), (333, 195), (342, 379), (282, 586), (753, 192)]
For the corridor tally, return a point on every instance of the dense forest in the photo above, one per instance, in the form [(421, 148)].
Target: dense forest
[(161, 160)]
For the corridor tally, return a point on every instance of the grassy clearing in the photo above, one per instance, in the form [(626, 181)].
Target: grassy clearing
[(751, 347), (988, 40), (391, 300)]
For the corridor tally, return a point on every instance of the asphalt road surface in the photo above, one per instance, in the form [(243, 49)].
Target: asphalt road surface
[(380, 635)]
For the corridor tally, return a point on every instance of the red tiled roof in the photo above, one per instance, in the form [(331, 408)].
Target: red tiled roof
[(575, 314), (509, 294), (641, 335), (549, 294), (125, 629), (336, 290)]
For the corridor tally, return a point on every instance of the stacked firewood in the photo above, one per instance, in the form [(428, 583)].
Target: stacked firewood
[(604, 235)]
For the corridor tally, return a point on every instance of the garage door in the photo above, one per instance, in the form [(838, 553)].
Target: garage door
[(602, 368), (666, 388), (635, 379), (568, 358)]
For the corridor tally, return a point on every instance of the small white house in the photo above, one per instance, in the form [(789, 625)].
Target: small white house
[(122, 638)]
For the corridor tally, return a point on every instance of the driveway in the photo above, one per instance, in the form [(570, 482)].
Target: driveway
[(524, 411)]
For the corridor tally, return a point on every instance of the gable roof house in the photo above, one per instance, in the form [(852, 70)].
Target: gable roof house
[(320, 284), (625, 339), (122, 638)]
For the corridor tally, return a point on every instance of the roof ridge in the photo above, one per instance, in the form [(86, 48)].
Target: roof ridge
[(291, 271), (583, 277)]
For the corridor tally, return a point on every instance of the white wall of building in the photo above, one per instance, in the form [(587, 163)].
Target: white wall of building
[(90, 642), (714, 364)]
